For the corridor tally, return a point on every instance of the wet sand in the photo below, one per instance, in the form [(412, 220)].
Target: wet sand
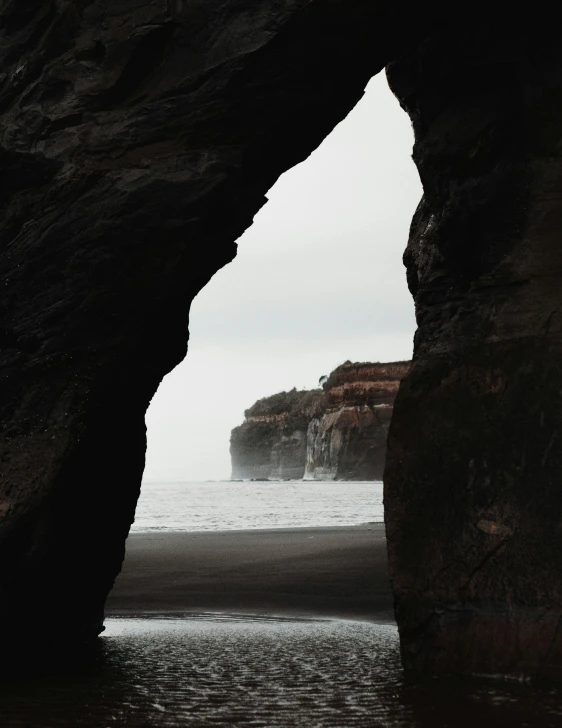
[(322, 572), (269, 670)]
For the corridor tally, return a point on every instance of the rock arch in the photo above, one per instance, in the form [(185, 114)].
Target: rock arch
[(137, 142)]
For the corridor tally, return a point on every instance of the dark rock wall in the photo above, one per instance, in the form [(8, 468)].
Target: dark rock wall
[(137, 141), (251, 448), (472, 485), (288, 456), (267, 450)]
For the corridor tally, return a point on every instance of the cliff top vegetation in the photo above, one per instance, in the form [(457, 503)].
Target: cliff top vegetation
[(284, 403)]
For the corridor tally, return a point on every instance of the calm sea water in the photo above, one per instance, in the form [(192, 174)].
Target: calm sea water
[(225, 505), (270, 673)]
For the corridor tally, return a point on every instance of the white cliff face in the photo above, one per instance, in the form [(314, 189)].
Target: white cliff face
[(330, 438), (321, 458)]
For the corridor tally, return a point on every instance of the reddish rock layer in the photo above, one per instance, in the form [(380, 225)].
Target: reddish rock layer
[(347, 441), (336, 433)]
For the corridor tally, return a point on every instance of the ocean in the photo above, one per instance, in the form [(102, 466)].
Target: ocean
[(231, 505)]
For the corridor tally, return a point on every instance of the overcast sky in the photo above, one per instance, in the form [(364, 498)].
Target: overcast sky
[(318, 279)]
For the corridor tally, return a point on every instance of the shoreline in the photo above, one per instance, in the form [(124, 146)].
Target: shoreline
[(163, 531), (323, 572)]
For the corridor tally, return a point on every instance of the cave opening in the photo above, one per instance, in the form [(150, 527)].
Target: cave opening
[(318, 281), (139, 141)]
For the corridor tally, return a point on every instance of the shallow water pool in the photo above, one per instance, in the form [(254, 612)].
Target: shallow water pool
[(215, 670)]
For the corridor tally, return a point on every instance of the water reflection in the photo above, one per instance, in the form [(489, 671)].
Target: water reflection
[(213, 671)]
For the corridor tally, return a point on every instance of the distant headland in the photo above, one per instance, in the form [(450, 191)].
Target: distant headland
[(336, 432)]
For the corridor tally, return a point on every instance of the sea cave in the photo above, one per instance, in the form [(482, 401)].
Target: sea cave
[(138, 140)]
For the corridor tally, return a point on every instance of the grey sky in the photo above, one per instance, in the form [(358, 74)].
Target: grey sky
[(318, 279)]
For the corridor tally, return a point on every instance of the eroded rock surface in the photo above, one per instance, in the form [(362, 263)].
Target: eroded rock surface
[(347, 440), (335, 433), (472, 485), (137, 141), (271, 442)]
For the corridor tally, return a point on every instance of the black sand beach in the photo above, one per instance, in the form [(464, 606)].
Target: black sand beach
[(327, 572), (224, 642)]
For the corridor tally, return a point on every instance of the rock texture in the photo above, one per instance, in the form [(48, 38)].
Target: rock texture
[(472, 484), (137, 141), (335, 433), (271, 442), (347, 440)]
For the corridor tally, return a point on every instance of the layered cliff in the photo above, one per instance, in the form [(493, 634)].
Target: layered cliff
[(347, 441), (338, 432), (271, 442)]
